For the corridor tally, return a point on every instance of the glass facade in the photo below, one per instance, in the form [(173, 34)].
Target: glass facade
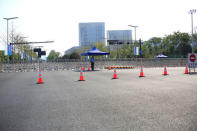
[(123, 36), (91, 33)]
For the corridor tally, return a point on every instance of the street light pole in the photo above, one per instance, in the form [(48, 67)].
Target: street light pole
[(135, 29), (192, 12), (7, 42), (8, 33)]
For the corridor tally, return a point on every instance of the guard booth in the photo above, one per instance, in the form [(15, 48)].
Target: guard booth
[(192, 62)]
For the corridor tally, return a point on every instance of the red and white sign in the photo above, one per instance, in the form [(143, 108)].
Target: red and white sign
[(192, 60)]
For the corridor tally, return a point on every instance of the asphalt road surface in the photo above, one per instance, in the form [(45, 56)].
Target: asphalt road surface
[(62, 103)]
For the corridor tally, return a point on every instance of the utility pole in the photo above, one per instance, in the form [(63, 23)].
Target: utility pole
[(192, 12), (134, 26), (140, 42), (8, 34)]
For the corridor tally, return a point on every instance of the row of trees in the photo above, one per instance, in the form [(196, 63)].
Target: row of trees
[(75, 54), (176, 45), (18, 49)]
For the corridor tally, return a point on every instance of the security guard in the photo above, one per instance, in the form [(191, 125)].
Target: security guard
[(92, 63)]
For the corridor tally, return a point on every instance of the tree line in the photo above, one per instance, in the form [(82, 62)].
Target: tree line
[(18, 50), (176, 45)]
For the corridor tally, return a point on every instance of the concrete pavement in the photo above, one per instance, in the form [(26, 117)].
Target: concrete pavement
[(62, 103)]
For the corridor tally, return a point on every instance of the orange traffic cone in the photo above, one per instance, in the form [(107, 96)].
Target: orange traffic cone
[(82, 68), (115, 76), (81, 76), (165, 71), (141, 72), (109, 67), (88, 67), (40, 80), (186, 70)]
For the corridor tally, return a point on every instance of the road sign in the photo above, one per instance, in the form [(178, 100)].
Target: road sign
[(140, 52), (30, 58), (192, 60), (136, 51), (9, 50), (24, 54)]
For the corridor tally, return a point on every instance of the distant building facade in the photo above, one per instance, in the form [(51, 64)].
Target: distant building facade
[(71, 50), (91, 33), (119, 36)]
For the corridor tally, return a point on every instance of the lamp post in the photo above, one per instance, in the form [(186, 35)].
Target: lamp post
[(8, 33), (192, 12), (134, 26)]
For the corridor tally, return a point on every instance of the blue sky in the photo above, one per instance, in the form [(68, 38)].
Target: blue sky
[(57, 20)]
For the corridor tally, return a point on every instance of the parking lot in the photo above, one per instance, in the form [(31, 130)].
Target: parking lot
[(62, 103)]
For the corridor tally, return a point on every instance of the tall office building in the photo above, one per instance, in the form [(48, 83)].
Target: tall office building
[(91, 33), (123, 36)]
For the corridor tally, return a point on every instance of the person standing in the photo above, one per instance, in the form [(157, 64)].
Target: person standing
[(92, 63)]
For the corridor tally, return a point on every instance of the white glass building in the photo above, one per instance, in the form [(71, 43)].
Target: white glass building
[(123, 36), (91, 33)]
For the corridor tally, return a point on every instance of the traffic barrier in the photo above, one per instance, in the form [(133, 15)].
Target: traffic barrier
[(88, 67), (186, 70), (40, 80), (141, 72), (75, 64), (165, 71), (115, 76), (119, 67), (81, 78)]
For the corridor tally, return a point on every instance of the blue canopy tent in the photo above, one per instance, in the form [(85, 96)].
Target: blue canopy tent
[(161, 56), (94, 52)]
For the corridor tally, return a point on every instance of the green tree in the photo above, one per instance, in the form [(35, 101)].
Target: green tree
[(177, 44), (53, 55), (74, 55), (125, 51), (156, 44), (148, 50), (173, 45), (66, 56), (18, 49), (2, 56)]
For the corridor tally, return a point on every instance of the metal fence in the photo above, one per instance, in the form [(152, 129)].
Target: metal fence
[(76, 64)]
